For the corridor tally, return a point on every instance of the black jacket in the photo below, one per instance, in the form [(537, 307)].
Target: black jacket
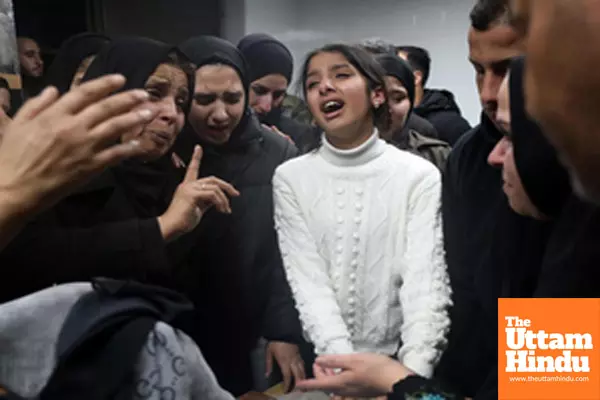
[(234, 270), (98, 231), (420, 125), (490, 252), (440, 108)]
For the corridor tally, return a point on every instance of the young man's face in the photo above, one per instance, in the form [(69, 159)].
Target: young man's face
[(562, 80), (490, 52), (30, 58)]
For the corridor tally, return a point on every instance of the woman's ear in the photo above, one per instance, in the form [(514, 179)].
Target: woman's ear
[(378, 97)]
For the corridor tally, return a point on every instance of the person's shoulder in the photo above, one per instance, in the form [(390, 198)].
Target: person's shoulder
[(422, 141), (409, 164)]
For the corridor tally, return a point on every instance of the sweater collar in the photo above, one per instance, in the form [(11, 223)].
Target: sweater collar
[(366, 152)]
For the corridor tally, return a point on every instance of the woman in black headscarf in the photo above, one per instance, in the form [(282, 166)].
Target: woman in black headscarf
[(119, 224), (236, 279), (569, 267), (400, 85), (270, 67), (73, 59)]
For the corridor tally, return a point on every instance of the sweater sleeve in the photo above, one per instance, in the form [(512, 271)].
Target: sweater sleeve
[(307, 274), (425, 291)]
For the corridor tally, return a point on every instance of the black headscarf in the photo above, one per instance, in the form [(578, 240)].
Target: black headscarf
[(148, 185), (399, 69), (210, 50), (70, 55), (266, 55), (544, 179)]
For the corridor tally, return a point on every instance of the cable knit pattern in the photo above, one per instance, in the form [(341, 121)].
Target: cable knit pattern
[(360, 235)]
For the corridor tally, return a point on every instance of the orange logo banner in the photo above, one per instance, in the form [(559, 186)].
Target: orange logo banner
[(549, 349)]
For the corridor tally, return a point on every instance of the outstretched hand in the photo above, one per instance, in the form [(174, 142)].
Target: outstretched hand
[(54, 144), (360, 375), (193, 198)]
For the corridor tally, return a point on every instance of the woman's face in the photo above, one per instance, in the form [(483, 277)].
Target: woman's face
[(502, 156), (81, 70), (219, 103), (169, 94), (338, 97), (398, 103)]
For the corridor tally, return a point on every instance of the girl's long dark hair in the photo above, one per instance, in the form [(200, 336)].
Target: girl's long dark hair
[(367, 66)]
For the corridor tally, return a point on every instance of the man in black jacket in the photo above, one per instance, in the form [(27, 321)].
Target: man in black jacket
[(436, 106), (483, 238)]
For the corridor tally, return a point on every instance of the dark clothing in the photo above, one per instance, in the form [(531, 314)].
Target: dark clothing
[(232, 265), (297, 131), (70, 56), (97, 231), (421, 125), (236, 277), (433, 150), (490, 252), (440, 108), (108, 227), (570, 267), (544, 178)]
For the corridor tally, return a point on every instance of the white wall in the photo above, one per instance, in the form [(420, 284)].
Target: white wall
[(437, 25)]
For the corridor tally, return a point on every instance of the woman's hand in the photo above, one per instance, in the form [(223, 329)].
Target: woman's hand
[(361, 375), (193, 198)]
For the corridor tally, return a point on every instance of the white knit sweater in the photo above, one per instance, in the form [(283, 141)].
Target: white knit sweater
[(361, 240)]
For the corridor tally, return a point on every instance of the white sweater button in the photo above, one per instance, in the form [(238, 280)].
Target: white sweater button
[(354, 263), (339, 249), (340, 220), (339, 234), (340, 204), (356, 236), (359, 191), (355, 250), (357, 220), (340, 190), (353, 276), (351, 301), (359, 207)]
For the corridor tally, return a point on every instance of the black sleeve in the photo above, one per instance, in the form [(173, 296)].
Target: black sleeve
[(291, 151), (46, 254), (281, 319), (419, 388)]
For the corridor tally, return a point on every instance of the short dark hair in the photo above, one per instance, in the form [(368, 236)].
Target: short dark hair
[(367, 66), (377, 46), (487, 13), (4, 84), (419, 60)]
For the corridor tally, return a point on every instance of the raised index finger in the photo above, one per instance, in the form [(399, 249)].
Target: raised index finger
[(88, 93), (191, 174)]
